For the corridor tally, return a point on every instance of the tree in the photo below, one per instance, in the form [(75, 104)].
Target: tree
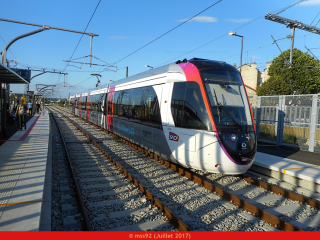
[(302, 78)]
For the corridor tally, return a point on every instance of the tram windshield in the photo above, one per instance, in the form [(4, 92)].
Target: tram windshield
[(227, 97)]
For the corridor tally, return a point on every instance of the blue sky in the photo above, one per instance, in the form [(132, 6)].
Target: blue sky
[(124, 26)]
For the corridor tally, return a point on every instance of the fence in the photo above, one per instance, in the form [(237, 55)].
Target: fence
[(288, 120)]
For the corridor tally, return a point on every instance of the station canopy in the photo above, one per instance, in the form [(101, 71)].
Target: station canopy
[(9, 76)]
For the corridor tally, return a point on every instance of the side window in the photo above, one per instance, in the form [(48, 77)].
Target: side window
[(96, 103), (83, 102), (177, 102), (136, 103), (102, 102), (195, 113), (117, 102), (125, 102), (151, 107), (188, 108), (109, 103), (122, 103), (93, 100)]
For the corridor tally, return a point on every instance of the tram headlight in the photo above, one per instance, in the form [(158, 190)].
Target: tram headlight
[(234, 137), (231, 140)]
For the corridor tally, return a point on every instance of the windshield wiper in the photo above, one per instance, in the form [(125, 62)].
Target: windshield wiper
[(226, 111), (230, 116), (215, 96)]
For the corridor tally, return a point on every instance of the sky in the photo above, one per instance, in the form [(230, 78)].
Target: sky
[(135, 33)]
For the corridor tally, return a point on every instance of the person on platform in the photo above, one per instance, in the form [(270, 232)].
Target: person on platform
[(37, 107), (12, 116), (21, 114), (30, 106)]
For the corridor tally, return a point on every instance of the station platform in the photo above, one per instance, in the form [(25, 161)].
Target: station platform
[(24, 171), (300, 168)]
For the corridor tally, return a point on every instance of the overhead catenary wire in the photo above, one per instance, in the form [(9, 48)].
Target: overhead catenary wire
[(280, 10), (67, 64), (167, 32), (315, 18)]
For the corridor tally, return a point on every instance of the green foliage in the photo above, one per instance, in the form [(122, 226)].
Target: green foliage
[(302, 78)]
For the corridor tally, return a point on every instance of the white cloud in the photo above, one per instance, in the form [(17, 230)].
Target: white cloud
[(310, 3), (201, 19), (118, 37), (255, 57), (240, 20)]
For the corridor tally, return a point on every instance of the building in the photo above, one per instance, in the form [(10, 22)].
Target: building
[(253, 77)]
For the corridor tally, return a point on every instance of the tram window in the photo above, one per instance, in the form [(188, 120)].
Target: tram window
[(117, 102), (123, 102), (102, 102), (195, 115), (151, 108), (83, 102), (177, 102), (96, 103), (93, 100), (136, 106), (188, 108), (109, 103)]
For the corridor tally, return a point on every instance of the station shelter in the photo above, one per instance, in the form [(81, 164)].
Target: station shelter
[(8, 76)]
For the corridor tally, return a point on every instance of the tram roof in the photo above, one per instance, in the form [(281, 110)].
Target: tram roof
[(173, 67)]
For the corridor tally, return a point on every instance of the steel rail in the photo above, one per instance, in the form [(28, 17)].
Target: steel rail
[(81, 202), (282, 192), (171, 216), (254, 210)]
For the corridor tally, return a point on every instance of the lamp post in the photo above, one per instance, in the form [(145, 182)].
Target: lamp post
[(148, 66), (232, 33)]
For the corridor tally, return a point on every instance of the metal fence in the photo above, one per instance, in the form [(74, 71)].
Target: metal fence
[(292, 120)]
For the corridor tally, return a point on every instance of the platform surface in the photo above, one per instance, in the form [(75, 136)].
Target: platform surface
[(23, 161)]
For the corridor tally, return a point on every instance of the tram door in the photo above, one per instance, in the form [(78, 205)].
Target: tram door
[(110, 111)]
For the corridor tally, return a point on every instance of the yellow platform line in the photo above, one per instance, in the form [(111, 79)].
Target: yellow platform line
[(284, 170), (10, 204)]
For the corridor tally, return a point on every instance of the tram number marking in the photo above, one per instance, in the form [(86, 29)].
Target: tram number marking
[(173, 137)]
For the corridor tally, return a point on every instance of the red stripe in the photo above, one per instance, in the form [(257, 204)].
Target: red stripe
[(254, 126), (192, 74), (25, 134)]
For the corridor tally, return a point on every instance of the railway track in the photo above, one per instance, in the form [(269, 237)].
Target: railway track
[(106, 199), (211, 201)]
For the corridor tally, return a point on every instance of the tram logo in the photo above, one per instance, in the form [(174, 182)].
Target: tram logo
[(173, 137)]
